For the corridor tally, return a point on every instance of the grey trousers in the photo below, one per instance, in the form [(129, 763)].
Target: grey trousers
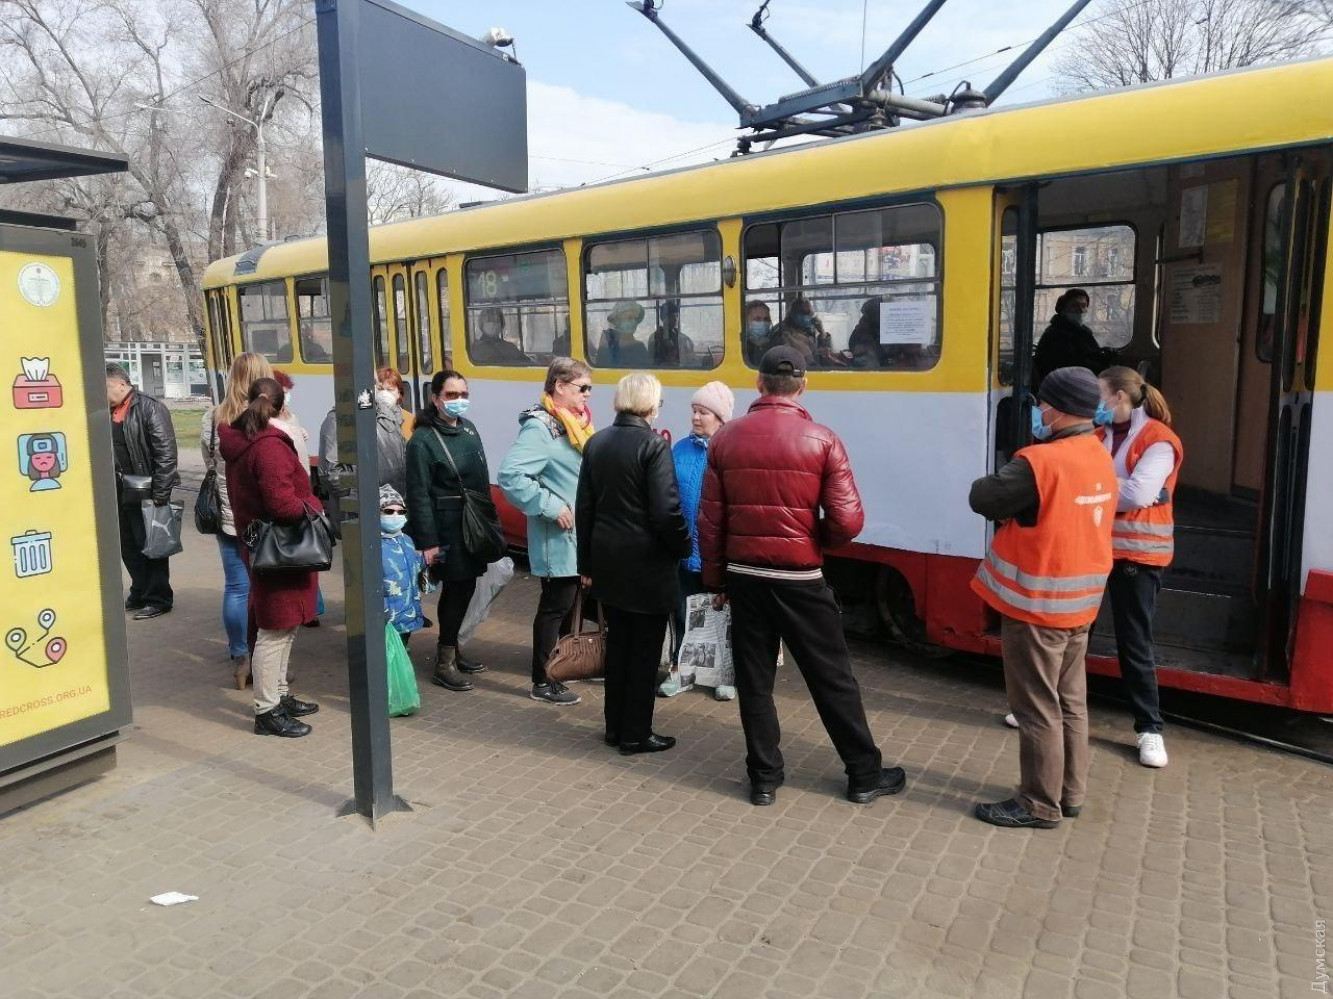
[(268, 666), (1045, 676)]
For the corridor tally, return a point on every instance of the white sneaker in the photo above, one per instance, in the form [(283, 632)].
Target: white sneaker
[(1152, 750), (1010, 720), (724, 693)]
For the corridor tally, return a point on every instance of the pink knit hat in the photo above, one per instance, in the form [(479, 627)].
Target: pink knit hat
[(717, 398)]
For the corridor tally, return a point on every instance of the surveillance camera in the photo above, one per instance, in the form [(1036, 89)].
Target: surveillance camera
[(249, 173), (498, 38)]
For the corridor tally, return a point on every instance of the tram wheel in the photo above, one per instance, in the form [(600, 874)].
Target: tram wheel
[(897, 613)]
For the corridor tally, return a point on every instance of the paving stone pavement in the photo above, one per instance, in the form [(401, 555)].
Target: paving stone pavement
[(538, 863)]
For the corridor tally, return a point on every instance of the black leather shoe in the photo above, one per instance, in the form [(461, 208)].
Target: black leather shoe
[(611, 738), (134, 605), (762, 796), (1071, 811), (466, 665), (653, 744), (276, 722), (1012, 814), (148, 613), (891, 781), (295, 707)]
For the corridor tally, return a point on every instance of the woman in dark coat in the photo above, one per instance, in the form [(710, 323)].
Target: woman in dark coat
[(631, 537), (267, 480), (435, 512), (1068, 342)]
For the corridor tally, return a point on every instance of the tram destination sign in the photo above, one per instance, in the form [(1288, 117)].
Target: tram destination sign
[(434, 99)]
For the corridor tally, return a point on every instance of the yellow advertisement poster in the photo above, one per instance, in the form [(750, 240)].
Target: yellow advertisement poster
[(53, 664)]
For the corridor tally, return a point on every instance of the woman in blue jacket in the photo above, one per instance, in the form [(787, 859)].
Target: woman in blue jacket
[(540, 477), (710, 408)]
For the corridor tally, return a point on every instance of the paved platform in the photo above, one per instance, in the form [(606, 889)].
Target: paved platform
[(538, 863)]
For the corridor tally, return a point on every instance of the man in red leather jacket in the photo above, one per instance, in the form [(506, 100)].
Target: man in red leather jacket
[(778, 491)]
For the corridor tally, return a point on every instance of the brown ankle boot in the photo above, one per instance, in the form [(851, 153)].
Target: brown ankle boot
[(446, 670)]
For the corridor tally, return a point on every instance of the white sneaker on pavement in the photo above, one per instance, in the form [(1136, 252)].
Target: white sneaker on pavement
[(1010, 720), (1152, 750)]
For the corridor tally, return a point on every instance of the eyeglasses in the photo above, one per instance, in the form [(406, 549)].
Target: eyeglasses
[(447, 396)]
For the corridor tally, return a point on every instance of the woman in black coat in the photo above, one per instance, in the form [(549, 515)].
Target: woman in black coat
[(435, 512), (631, 538)]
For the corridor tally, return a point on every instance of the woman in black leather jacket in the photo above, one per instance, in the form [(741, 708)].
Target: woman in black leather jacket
[(631, 538)]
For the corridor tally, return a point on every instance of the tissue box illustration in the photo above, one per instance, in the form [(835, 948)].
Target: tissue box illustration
[(36, 387)]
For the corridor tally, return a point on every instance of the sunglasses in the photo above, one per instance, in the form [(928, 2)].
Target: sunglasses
[(585, 389)]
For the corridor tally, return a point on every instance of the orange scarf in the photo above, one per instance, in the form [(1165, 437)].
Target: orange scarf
[(577, 425)]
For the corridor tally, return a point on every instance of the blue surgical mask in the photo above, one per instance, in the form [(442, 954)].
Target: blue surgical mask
[(1075, 316), (392, 523), (1039, 429), (1104, 416), (456, 407), (804, 320), (757, 329)]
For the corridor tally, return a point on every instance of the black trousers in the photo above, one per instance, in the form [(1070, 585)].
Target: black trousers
[(805, 615), (690, 584), (554, 616), (1134, 590), (633, 653), (455, 595), (150, 578)]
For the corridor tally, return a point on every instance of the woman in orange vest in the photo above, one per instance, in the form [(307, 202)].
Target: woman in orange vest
[(1147, 456)]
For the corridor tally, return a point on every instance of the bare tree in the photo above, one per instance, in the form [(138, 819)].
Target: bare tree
[(394, 193), (1130, 41)]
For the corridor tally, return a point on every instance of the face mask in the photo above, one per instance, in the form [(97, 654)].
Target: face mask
[(1104, 416), (1075, 316), (456, 407), (386, 398), (392, 523), (1039, 429), (757, 329), (626, 327), (490, 329), (804, 321)]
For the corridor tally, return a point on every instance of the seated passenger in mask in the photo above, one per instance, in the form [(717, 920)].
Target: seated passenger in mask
[(490, 347), (758, 330), (668, 346), (620, 348)]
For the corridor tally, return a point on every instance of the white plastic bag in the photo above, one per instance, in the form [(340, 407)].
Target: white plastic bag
[(705, 655), (497, 577)]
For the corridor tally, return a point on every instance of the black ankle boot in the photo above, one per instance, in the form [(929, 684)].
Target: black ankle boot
[(277, 722)]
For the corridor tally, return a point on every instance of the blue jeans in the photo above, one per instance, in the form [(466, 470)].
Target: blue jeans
[(235, 594)]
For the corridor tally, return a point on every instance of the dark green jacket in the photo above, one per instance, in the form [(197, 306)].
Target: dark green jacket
[(434, 502)]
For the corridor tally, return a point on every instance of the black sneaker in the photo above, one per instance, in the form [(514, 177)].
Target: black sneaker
[(1071, 811), (277, 723), (891, 781), (1012, 814), (554, 693), (295, 707)]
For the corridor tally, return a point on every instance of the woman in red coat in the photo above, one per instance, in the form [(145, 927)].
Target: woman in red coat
[(266, 480)]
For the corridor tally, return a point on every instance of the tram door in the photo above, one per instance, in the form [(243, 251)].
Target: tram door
[(1297, 277), (402, 325), (1012, 316)]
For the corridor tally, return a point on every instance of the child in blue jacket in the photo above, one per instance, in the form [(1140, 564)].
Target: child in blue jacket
[(402, 565)]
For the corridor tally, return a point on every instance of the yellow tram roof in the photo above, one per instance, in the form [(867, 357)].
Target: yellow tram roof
[(1200, 117)]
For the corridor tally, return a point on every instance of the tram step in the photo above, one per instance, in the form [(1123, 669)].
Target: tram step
[(1197, 620), (1207, 559)]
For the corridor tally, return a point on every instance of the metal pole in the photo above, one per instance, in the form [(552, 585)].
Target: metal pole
[(354, 382), (261, 161), (1001, 83), (885, 62)]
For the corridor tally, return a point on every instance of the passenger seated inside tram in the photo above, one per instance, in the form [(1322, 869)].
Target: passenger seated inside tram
[(490, 347), (863, 343), (312, 351), (801, 330), (758, 330), (563, 341), (668, 346), (619, 347)]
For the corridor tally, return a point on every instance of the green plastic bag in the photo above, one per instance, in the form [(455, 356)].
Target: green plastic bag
[(404, 698)]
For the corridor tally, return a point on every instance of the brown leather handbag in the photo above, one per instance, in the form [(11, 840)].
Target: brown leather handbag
[(582, 655)]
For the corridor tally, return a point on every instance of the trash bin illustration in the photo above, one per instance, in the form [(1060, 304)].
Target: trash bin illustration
[(32, 553)]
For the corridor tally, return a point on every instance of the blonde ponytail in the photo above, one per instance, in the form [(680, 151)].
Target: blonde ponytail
[(1140, 392)]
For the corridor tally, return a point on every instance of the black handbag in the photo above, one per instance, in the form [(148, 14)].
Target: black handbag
[(305, 546), (208, 507), (482, 535), (134, 489)]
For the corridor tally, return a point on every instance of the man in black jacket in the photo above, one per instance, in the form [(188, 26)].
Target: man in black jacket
[(1068, 342), (145, 444)]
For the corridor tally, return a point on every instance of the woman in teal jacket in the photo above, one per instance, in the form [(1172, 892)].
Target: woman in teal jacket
[(540, 477)]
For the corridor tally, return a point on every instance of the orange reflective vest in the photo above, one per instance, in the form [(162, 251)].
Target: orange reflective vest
[(1147, 535), (1053, 573)]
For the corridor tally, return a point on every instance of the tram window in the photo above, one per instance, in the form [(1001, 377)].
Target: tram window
[(1008, 295), (400, 324), (265, 328), (446, 322), (221, 335), (517, 306), (379, 313), (1274, 252), (313, 324), (655, 302), (424, 345), (1098, 259), (853, 290)]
